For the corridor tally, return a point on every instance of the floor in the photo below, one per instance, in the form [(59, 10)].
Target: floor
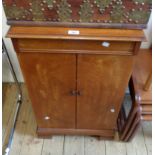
[(25, 141)]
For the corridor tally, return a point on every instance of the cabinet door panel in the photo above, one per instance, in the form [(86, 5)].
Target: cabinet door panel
[(101, 80), (50, 79)]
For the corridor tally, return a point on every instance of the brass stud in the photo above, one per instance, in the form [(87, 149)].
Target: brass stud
[(136, 21), (136, 3), (50, 6)]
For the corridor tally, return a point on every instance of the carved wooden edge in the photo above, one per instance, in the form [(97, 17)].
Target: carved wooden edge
[(136, 48), (77, 24), (15, 45), (84, 33), (146, 109), (51, 131), (75, 51), (146, 117), (148, 82)]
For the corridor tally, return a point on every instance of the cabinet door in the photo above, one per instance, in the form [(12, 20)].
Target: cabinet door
[(101, 80), (50, 78)]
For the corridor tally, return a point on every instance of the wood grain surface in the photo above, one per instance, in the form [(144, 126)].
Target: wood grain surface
[(102, 82), (50, 80)]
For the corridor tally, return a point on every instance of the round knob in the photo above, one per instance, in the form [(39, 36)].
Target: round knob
[(46, 117), (112, 110)]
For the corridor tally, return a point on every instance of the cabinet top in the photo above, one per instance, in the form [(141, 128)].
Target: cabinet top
[(76, 33), (79, 13)]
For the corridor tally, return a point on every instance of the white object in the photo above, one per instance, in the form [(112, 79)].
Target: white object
[(106, 44), (46, 118), (73, 32), (112, 110), (7, 151), (138, 98)]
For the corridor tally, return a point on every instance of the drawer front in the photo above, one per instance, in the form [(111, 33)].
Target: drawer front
[(76, 46)]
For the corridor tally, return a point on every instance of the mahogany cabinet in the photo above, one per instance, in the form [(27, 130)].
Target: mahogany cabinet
[(76, 81)]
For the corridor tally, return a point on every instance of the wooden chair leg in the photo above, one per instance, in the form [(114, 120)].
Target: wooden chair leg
[(133, 128), (148, 82), (128, 122)]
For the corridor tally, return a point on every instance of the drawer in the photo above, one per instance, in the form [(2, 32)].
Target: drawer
[(76, 46)]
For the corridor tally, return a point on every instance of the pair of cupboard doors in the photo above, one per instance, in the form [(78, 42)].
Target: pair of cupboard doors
[(76, 90), (76, 86)]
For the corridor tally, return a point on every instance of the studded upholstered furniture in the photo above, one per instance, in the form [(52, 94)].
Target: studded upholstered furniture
[(83, 13)]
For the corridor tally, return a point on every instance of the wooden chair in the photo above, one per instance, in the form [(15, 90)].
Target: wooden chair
[(142, 78), (141, 96)]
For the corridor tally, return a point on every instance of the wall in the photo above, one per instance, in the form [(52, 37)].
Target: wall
[(6, 72)]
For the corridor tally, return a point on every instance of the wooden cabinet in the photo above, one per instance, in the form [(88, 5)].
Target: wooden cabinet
[(76, 82)]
